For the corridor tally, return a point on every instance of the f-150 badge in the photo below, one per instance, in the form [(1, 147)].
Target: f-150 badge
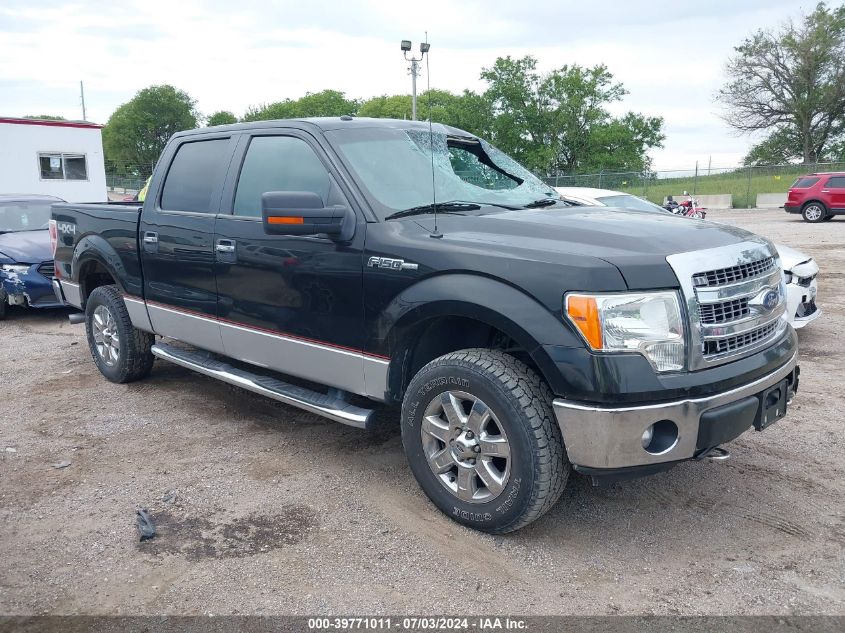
[(391, 264)]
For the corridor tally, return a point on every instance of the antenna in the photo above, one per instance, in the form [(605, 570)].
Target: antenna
[(435, 234)]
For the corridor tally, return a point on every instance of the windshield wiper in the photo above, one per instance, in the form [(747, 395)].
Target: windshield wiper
[(542, 202), (440, 207)]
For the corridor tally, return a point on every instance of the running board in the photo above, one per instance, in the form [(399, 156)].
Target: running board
[(322, 404)]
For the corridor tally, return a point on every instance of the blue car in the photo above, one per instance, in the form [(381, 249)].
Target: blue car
[(26, 255)]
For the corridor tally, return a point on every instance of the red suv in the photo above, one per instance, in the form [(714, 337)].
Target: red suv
[(817, 197)]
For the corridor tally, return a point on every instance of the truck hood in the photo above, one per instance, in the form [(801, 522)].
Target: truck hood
[(637, 243), (27, 247)]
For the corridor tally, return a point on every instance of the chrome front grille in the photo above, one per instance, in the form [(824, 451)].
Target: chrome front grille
[(735, 300), (735, 343), (725, 311), (733, 274)]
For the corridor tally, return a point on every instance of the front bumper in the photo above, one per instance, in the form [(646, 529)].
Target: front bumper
[(600, 437), (29, 288)]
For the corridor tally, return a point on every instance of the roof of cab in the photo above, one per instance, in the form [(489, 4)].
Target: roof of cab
[(326, 124)]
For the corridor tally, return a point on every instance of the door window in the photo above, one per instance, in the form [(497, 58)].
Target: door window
[(278, 163), (836, 182), (196, 171)]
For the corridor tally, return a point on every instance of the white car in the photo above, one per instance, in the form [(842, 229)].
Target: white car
[(799, 270)]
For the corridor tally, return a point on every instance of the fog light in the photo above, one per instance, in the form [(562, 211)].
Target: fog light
[(647, 435), (661, 437)]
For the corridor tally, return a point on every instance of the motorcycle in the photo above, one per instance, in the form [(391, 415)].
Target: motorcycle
[(689, 208)]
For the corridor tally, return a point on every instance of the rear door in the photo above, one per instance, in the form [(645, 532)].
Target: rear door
[(835, 190), (290, 303), (177, 233)]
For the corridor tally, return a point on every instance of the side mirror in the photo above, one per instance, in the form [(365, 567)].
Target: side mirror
[(303, 213)]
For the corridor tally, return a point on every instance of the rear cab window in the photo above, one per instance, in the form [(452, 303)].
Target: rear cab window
[(804, 183), (196, 172)]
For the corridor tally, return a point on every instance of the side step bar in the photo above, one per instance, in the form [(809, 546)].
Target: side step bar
[(325, 405)]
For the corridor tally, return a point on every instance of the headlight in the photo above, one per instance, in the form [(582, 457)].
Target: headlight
[(648, 323), (14, 268)]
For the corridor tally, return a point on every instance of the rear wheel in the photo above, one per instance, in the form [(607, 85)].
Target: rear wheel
[(814, 212), (481, 439), (120, 351)]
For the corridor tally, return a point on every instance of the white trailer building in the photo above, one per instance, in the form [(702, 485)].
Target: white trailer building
[(57, 158)]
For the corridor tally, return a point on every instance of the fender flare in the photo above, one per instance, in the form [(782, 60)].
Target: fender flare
[(95, 248), (488, 300)]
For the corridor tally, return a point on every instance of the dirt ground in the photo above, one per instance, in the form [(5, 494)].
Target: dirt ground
[(263, 509)]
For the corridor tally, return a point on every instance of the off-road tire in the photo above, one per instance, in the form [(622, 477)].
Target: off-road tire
[(135, 360), (522, 403), (814, 212)]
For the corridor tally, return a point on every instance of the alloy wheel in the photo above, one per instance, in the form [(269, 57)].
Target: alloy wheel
[(106, 336), (466, 447)]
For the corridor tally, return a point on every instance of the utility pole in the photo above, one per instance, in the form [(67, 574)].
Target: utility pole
[(82, 96), (414, 70)]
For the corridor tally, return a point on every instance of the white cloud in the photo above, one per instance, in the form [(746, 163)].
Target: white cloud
[(669, 55)]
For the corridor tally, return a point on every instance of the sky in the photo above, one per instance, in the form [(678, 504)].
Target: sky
[(229, 55)]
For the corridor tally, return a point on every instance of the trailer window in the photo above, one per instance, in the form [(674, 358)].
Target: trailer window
[(61, 166)]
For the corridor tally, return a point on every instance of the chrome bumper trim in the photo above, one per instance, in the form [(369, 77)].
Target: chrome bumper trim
[(610, 437)]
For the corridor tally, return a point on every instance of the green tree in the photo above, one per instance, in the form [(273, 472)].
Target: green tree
[(781, 146), (324, 103), (387, 107), (221, 117), (45, 117), (559, 121), (791, 82), (468, 111), (138, 130)]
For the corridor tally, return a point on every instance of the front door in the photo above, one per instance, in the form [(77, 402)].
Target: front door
[(177, 251), (293, 304), (836, 190)]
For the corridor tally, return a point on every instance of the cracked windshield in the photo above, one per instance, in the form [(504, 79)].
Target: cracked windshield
[(396, 167)]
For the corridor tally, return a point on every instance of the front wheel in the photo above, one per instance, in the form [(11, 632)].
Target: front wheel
[(482, 441), (120, 351), (814, 212)]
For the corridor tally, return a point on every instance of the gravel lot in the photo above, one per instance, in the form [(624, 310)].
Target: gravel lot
[(263, 509)]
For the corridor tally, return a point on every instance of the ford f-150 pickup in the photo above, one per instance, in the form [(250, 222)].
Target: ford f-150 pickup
[(340, 263)]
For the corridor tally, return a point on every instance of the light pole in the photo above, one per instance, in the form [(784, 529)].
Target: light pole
[(414, 70)]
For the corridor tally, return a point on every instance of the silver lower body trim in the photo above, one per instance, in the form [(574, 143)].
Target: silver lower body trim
[(137, 310), (296, 396), (344, 369), (70, 292), (611, 437)]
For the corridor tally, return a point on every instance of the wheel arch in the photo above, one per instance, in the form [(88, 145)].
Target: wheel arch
[(447, 313), (95, 263)]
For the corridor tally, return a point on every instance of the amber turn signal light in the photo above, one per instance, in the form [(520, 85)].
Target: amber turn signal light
[(584, 313), (284, 219)]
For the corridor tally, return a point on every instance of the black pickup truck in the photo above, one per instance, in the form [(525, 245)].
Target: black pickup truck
[(336, 264)]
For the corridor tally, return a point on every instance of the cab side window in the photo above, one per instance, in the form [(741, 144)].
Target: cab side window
[(278, 163), (196, 170)]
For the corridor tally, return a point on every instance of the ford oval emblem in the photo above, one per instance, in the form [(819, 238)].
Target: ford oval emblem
[(770, 299)]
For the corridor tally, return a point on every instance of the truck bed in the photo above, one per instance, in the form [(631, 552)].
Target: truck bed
[(110, 227)]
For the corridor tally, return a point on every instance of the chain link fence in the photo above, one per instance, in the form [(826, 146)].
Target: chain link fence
[(743, 184)]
